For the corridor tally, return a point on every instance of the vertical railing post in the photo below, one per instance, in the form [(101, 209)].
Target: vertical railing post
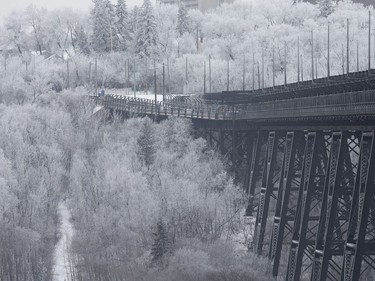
[(298, 67), (253, 71), (273, 67), (357, 56), (134, 83), (163, 83), (96, 76), (262, 67), (228, 74), (155, 93), (312, 55), (347, 48), (243, 73), (328, 54), (204, 77), (259, 78), (209, 72), (369, 41), (285, 65)]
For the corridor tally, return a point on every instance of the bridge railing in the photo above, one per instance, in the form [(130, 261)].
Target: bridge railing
[(189, 108), (362, 103)]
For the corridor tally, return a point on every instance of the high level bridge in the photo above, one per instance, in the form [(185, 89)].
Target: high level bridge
[(305, 155)]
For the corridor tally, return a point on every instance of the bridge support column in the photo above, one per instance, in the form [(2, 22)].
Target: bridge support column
[(360, 245), (242, 151), (308, 204), (253, 171), (266, 190), (336, 201), (283, 212)]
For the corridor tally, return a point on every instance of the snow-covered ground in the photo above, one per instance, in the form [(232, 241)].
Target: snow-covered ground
[(129, 93), (61, 255), (96, 109)]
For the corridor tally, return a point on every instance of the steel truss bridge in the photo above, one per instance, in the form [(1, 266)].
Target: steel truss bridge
[(304, 153)]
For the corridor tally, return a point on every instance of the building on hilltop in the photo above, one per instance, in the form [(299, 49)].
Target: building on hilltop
[(202, 5)]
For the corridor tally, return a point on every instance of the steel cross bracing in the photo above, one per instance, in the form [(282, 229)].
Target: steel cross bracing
[(309, 205), (307, 165), (286, 206), (311, 201)]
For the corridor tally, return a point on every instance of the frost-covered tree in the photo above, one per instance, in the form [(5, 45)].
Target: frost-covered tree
[(326, 7), (147, 37), (34, 17), (102, 38), (81, 40), (133, 28), (182, 20), (133, 20), (121, 24), (146, 144), (16, 31), (161, 245)]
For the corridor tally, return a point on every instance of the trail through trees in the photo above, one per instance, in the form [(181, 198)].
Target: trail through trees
[(61, 255)]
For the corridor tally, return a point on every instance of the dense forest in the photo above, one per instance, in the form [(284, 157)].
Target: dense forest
[(147, 201), (246, 36)]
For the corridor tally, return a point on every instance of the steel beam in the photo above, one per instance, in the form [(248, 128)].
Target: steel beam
[(253, 154), (266, 191), (328, 216), (361, 222), (313, 169), (255, 171), (288, 173)]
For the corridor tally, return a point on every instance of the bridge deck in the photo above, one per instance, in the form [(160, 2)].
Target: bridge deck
[(344, 105)]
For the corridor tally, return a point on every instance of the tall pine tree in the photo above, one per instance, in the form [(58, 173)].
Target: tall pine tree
[(326, 7), (80, 40), (104, 33), (161, 246), (146, 143), (147, 38), (133, 27), (122, 25), (182, 20)]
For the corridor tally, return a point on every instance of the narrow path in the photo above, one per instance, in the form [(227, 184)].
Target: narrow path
[(61, 255)]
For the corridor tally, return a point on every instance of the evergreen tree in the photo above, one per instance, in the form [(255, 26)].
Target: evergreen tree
[(81, 41), (161, 246), (326, 7), (133, 27), (146, 144), (122, 25), (182, 20), (102, 39), (147, 37)]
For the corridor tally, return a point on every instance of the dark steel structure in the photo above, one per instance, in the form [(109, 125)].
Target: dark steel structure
[(305, 155)]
